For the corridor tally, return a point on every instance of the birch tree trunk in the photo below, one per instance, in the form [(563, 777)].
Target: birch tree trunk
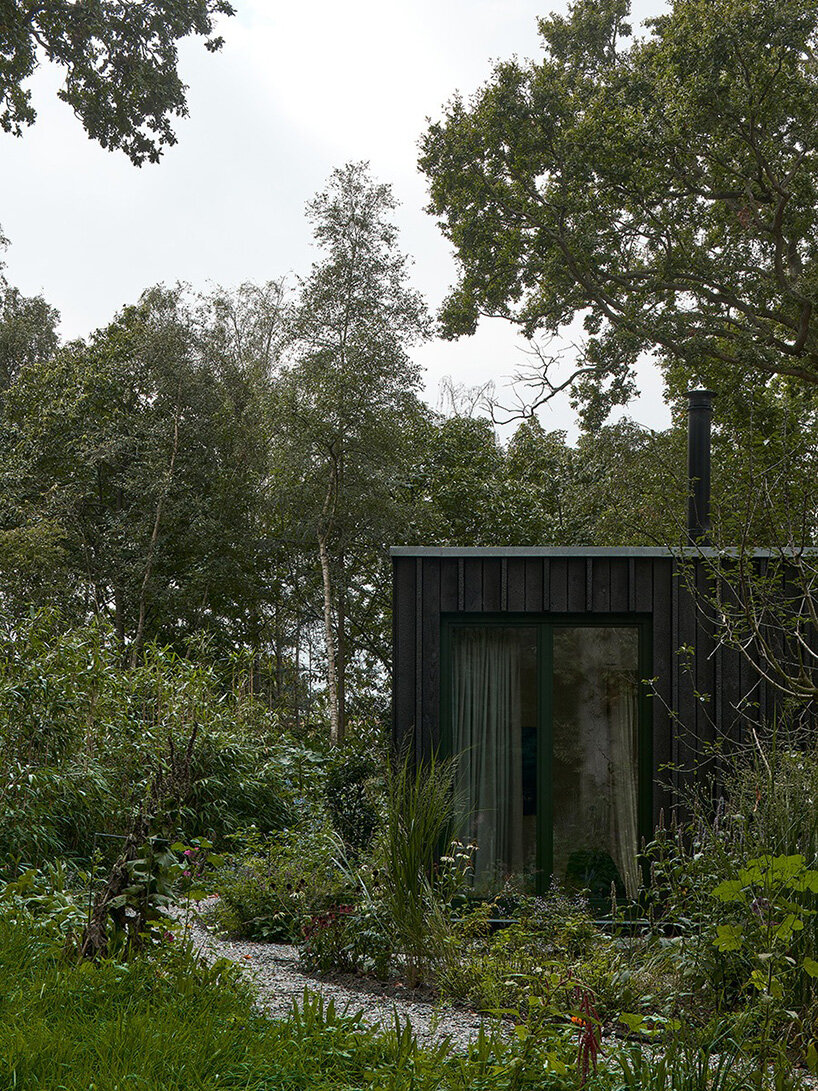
[(139, 638), (341, 648), (329, 639), (336, 726)]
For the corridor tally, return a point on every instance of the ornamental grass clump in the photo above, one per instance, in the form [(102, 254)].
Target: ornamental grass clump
[(419, 810)]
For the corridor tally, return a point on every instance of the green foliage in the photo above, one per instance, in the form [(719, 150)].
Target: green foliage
[(28, 333), (146, 458), (81, 740), (166, 1022), (120, 65), (533, 965), (739, 902), (661, 189), (419, 809), (342, 406), (766, 905), (349, 938), (56, 811), (235, 782), (273, 885), (50, 897), (348, 793), (708, 1062)]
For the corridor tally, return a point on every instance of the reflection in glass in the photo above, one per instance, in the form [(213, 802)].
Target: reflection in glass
[(595, 757), (494, 734)]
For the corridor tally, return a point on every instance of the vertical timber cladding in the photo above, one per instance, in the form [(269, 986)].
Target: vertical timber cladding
[(697, 685)]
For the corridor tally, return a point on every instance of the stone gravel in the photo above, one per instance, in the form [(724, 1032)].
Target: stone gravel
[(274, 971), (279, 982)]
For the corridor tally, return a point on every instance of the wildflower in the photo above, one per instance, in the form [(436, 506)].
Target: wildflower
[(169, 936)]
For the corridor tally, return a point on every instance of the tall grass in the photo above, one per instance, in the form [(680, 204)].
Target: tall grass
[(167, 1023), (419, 811)]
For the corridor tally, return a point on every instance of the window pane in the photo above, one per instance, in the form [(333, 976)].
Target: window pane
[(494, 735), (595, 757)]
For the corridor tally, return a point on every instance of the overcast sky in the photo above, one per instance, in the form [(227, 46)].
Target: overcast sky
[(299, 88)]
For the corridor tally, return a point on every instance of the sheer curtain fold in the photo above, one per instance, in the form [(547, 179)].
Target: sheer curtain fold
[(487, 736), (622, 775)]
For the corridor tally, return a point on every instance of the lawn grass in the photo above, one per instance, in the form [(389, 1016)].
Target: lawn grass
[(164, 1022)]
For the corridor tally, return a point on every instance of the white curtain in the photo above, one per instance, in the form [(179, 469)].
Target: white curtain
[(487, 737), (622, 777)]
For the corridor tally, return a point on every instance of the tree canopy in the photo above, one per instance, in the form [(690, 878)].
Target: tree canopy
[(663, 191), (346, 392), (120, 60)]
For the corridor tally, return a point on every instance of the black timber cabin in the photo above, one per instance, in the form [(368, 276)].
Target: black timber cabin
[(529, 665)]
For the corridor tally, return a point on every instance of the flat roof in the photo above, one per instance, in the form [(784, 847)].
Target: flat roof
[(709, 552)]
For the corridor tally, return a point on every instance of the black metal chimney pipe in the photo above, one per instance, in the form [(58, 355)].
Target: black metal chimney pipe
[(699, 416)]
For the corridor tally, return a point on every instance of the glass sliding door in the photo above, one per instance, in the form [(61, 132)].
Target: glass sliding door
[(544, 721), (595, 757), (494, 733)]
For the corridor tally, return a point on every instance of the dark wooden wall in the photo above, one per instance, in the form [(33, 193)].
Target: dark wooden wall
[(697, 695)]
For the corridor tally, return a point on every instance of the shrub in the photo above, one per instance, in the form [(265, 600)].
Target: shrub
[(273, 884), (734, 897), (349, 938), (234, 783), (534, 964), (347, 791), (48, 812), (81, 740)]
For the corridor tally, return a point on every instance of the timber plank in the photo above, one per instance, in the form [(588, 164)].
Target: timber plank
[(492, 584), (430, 659), (403, 649), (516, 584)]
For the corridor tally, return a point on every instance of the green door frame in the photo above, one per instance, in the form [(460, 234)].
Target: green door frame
[(545, 624)]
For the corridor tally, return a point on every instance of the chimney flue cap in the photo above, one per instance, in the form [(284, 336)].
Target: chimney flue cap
[(700, 398)]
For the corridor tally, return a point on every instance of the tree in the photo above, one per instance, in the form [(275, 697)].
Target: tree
[(28, 333), (457, 479), (665, 192), (343, 397), (142, 468), (120, 61)]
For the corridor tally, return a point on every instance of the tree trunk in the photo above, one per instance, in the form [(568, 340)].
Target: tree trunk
[(139, 638), (119, 619), (329, 638), (297, 686), (325, 527), (341, 667)]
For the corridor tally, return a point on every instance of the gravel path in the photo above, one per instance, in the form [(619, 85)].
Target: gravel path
[(273, 969)]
